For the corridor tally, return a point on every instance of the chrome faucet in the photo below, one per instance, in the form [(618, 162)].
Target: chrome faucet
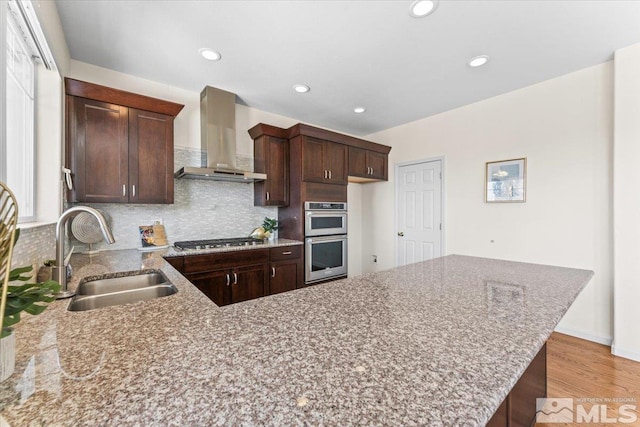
[(60, 269)]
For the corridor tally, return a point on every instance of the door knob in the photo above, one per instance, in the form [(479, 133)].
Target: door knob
[(400, 233)]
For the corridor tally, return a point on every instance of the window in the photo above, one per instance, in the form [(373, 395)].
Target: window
[(23, 48), (19, 110)]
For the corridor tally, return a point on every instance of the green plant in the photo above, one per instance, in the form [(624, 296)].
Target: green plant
[(270, 224), (27, 297)]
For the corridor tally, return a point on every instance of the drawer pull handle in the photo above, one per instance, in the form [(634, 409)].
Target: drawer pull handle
[(273, 272), (286, 253)]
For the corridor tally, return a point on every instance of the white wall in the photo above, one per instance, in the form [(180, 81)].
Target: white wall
[(564, 127), (627, 203)]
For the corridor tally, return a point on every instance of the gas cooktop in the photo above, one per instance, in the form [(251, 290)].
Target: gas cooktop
[(217, 243)]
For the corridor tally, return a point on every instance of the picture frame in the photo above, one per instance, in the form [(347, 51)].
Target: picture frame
[(506, 181)]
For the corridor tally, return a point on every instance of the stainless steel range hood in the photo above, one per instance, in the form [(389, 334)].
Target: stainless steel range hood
[(218, 139)]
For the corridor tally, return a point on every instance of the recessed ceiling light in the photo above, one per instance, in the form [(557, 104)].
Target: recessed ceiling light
[(478, 61), (359, 110), (210, 54), (301, 88), (422, 8)]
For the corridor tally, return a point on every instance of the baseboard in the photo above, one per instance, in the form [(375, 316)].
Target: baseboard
[(585, 336), (627, 354)]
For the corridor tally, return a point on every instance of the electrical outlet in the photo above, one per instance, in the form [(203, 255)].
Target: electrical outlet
[(374, 258)]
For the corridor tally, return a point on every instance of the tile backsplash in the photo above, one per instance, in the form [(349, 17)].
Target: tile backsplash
[(202, 209), (34, 246)]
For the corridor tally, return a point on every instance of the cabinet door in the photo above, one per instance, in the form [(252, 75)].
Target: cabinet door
[(214, 284), (271, 156), (358, 162), (150, 157), (313, 160), (248, 282), (98, 141), (284, 276), (377, 163), (336, 160)]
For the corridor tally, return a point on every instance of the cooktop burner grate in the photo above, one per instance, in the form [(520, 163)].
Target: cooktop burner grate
[(217, 243)]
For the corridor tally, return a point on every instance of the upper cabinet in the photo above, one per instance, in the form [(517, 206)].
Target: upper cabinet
[(271, 157), (324, 161), (119, 145), (366, 165)]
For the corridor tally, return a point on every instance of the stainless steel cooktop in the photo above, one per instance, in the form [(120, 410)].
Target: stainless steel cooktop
[(217, 243)]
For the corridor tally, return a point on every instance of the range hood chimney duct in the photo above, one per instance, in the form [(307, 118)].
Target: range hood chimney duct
[(218, 140)]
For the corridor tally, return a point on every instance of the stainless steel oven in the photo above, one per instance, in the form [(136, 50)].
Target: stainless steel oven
[(325, 218), (326, 257), (325, 230)]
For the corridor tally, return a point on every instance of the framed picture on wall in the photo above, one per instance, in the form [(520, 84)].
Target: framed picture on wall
[(505, 181)]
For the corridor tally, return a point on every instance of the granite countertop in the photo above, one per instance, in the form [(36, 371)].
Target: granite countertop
[(437, 343)]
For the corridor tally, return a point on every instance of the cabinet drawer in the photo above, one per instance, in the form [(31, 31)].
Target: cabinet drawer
[(283, 253), (214, 261)]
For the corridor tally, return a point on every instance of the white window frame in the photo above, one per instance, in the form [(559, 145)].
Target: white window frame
[(26, 19)]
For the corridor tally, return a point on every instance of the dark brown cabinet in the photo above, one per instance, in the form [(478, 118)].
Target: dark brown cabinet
[(271, 156), (229, 277), (367, 164), (286, 269), (118, 153), (519, 407), (324, 161)]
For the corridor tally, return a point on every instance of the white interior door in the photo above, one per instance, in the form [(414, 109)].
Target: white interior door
[(419, 212)]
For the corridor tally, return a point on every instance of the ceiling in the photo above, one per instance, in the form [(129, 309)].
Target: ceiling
[(350, 53)]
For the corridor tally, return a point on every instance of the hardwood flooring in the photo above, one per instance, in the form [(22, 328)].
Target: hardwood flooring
[(582, 369)]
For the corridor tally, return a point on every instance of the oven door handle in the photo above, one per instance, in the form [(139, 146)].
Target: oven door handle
[(338, 238)]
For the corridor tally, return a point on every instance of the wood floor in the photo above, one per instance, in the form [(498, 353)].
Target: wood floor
[(582, 369)]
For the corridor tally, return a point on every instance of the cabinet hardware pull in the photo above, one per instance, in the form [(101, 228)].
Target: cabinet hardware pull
[(228, 279), (273, 272), (371, 170), (134, 190), (267, 196), (325, 174), (286, 253), (329, 174), (368, 170), (67, 178), (124, 190), (235, 278)]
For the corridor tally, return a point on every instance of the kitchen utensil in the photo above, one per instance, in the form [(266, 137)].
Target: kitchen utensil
[(86, 229)]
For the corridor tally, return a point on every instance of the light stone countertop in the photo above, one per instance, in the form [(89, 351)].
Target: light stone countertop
[(437, 343)]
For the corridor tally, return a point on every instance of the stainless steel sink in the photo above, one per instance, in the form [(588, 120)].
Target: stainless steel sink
[(103, 292)]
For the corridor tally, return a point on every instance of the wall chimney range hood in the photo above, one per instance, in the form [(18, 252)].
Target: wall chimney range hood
[(218, 130)]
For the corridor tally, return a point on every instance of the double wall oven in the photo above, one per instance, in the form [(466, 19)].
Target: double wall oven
[(325, 230)]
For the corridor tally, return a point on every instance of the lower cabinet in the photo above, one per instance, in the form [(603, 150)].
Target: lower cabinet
[(519, 407), (236, 276), (286, 269)]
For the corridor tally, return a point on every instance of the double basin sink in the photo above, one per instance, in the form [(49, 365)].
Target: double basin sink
[(135, 287)]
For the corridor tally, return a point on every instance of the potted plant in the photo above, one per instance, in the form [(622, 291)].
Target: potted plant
[(265, 231), (270, 225), (21, 296)]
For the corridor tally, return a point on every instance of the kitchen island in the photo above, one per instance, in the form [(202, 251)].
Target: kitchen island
[(437, 343)]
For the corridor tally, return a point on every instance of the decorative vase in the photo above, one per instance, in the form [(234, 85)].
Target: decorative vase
[(7, 355)]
